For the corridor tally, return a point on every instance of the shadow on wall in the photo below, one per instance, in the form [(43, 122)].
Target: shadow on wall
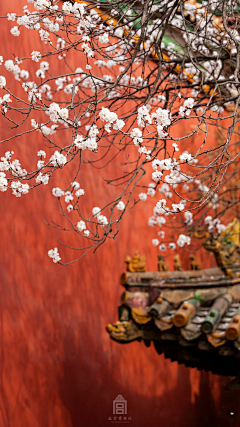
[(89, 399)]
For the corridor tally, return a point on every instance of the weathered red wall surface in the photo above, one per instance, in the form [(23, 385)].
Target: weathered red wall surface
[(58, 366)]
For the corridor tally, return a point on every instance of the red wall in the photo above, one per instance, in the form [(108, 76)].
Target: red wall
[(58, 366)]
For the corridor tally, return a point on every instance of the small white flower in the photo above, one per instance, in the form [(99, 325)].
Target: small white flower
[(36, 56), (75, 185), (96, 211), (57, 192), (11, 16), (3, 182), (40, 164), (120, 206), (44, 66), (41, 153), (189, 103), (182, 240), (143, 197), (155, 242), (53, 253), (151, 191), (58, 159), (220, 228), (68, 196), (188, 218), (81, 226), (103, 38), (15, 31), (162, 247), (102, 220), (2, 82), (69, 208), (175, 146), (80, 192)]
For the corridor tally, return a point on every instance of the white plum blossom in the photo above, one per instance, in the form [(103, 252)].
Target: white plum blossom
[(11, 16), (188, 218), (41, 4), (42, 178), (136, 133), (44, 65), (15, 31), (155, 242), (162, 117), (3, 182), (81, 226), (41, 153), (2, 82), (5, 99), (161, 204), (162, 247), (80, 142), (53, 253), (182, 240), (103, 38), (57, 192), (57, 113), (102, 220), (142, 197), (96, 211), (10, 66), (119, 124), (156, 176), (177, 207), (189, 103), (68, 196), (144, 116), (18, 188), (80, 192), (69, 208), (120, 206), (36, 56), (208, 219), (40, 73), (161, 220), (220, 228), (75, 185), (107, 116), (58, 159), (40, 164), (185, 156), (151, 190), (152, 221), (67, 7)]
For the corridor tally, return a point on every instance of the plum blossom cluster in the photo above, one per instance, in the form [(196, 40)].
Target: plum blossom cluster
[(214, 224), (56, 113), (54, 255), (112, 120), (70, 196), (117, 106), (101, 219)]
